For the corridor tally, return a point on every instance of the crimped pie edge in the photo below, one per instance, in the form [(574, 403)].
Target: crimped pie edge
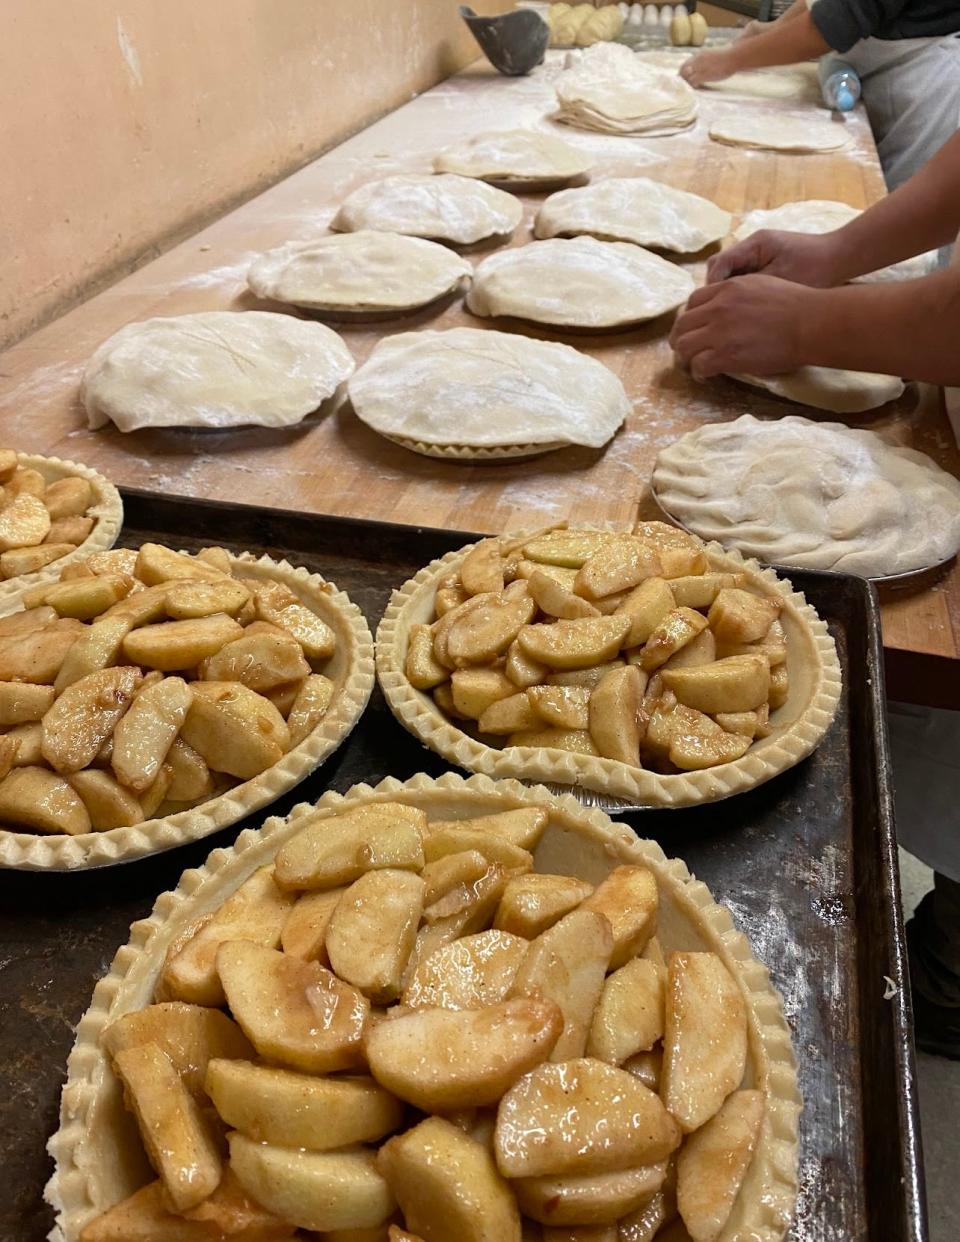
[(478, 455), (420, 715), (54, 852), (773, 1171), (107, 510)]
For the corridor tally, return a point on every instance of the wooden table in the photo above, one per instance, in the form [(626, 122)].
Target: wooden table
[(338, 466)]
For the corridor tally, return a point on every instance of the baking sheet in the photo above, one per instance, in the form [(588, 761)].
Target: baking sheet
[(807, 864)]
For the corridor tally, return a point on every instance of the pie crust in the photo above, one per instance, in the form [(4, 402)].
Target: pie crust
[(97, 1153), (351, 667), (106, 510), (798, 726), (478, 455)]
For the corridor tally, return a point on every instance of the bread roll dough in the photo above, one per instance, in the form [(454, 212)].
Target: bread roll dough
[(468, 386), (461, 210), (777, 132), (824, 388), (602, 23), (612, 90), (583, 283), (811, 494), (357, 272), (214, 369), (516, 157), (635, 209), (818, 215)]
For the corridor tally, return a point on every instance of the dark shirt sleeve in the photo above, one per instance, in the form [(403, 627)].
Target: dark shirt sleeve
[(845, 22)]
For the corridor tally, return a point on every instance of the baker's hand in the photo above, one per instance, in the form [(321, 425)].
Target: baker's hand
[(707, 67), (801, 257), (756, 325)]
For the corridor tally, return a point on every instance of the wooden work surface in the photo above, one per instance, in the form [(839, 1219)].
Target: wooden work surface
[(338, 466)]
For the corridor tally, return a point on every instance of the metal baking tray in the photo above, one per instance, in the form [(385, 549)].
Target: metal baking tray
[(807, 864)]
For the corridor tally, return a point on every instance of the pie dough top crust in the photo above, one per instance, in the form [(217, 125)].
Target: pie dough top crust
[(362, 271), (816, 495), (514, 156), (824, 388), (777, 132), (214, 369), (97, 1153), (581, 283), (460, 210), (476, 388), (635, 209), (611, 89)]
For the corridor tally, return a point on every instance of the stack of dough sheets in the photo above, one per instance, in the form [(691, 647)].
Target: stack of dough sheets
[(612, 90)]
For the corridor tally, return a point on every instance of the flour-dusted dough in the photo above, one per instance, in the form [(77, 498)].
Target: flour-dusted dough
[(613, 90), (798, 82), (776, 131), (214, 369), (358, 272), (816, 495), (824, 388), (519, 157), (635, 209), (817, 215), (582, 283), (453, 209), (482, 388)]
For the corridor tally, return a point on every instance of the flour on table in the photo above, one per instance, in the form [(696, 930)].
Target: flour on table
[(581, 283), (812, 494), (467, 386), (826, 388), (448, 208), (611, 89), (635, 209), (515, 157), (214, 369), (776, 131)]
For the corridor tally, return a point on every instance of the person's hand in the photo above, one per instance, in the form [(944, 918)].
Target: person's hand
[(805, 258), (755, 325), (707, 67)]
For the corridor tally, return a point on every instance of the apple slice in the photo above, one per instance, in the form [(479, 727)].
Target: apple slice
[(629, 1015), (293, 1012), (467, 974), (579, 1117), (713, 1162), (331, 850), (372, 931), (304, 932), (593, 1199), (532, 903), (705, 1038), (522, 827), (627, 898)]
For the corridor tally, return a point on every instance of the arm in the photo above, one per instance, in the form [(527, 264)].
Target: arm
[(922, 215), (763, 326), (791, 39), (756, 27)]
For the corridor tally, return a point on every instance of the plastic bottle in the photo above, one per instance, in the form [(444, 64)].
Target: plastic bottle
[(839, 84)]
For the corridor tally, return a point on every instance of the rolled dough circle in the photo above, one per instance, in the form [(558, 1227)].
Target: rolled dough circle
[(356, 272), (635, 209), (824, 388), (214, 369), (787, 82), (478, 388), (515, 157), (775, 131), (582, 283), (613, 90), (445, 207), (811, 494)]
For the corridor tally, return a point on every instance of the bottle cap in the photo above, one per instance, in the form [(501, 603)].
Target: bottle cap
[(845, 99)]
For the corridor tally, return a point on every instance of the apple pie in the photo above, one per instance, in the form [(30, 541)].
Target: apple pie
[(644, 665), (151, 696), (433, 1010)]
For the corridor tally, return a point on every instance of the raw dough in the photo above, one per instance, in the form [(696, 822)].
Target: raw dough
[(452, 209), (776, 131), (818, 215), (479, 388), (840, 392), (583, 283), (795, 82), (816, 495), (515, 157), (602, 23), (635, 209), (612, 90), (356, 272), (214, 369)]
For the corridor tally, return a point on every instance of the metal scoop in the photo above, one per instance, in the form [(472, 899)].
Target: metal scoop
[(513, 43)]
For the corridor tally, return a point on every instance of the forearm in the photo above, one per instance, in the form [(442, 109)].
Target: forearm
[(791, 39), (908, 329), (922, 215)]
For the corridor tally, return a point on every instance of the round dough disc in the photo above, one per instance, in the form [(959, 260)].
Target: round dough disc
[(787, 82), (365, 271), (583, 283), (214, 369), (777, 132), (613, 90), (815, 495), (454, 209), (635, 209), (467, 386), (515, 157), (819, 215), (823, 388)]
